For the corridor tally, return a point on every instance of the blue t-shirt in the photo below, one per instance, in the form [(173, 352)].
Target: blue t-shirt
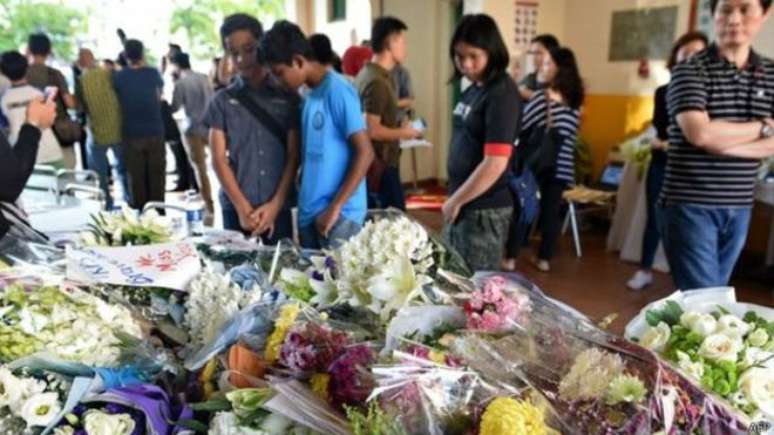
[(330, 116), (138, 92)]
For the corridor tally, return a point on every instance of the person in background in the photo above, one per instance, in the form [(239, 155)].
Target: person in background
[(17, 160), (539, 48), (485, 126), (213, 74), (401, 79), (192, 93), (720, 108), (98, 99), (355, 58), (85, 61), (166, 60), (337, 152), (380, 103), (40, 75), (14, 104), (109, 64), (139, 93), (254, 125), (563, 96), (685, 47)]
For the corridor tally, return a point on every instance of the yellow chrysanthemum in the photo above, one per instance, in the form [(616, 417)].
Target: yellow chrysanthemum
[(506, 416), (288, 314), (319, 383)]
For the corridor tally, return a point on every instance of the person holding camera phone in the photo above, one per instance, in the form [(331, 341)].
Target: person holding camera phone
[(17, 160)]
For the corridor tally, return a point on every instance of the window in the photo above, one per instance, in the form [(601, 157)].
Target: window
[(337, 10)]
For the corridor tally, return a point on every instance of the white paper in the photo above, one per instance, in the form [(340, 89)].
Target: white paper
[(415, 143), (168, 265)]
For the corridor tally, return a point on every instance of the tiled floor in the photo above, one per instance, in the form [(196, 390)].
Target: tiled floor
[(596, 283)]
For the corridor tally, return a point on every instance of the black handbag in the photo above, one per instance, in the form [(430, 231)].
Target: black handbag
[(541, 149)]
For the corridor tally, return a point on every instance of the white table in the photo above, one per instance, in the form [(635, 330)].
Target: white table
[(629, 220), (69, 215)]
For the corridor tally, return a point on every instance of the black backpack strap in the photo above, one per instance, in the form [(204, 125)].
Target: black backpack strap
[(268, 121)]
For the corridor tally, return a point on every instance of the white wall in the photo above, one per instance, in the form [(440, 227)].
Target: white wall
[(588, 34), (765, 41), (358, 18)]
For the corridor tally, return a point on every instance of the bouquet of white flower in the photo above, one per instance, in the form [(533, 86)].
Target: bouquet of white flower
[(728, 355), (382, 268), (212, 301), (69, 323), (27, 402), (125, 228)]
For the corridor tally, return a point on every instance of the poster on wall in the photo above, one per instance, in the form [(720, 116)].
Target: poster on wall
[(642, 34), (526, 18)]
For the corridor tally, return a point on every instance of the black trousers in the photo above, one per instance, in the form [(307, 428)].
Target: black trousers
[(185, 175), (550, 222), (146, 169)]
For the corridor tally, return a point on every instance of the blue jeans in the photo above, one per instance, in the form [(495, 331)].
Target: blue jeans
[(703, 244), (342, 231), (651, 237), (98, 162), (283, 226)]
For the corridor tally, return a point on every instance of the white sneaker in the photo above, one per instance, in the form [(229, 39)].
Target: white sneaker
[(640, 280)]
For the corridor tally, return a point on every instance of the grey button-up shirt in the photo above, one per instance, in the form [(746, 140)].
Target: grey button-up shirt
[(256, 156), (192, 92)]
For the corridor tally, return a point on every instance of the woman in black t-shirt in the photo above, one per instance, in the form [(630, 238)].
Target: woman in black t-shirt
[(685, 47), (564, 96), (485, 126)]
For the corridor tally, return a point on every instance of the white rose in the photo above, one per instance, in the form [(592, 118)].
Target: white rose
[(732, 326), (656, 338), (687, 319), (10, 388), (693, 369), (754, 356), (720, 347), (99, 423), (705, 325), (758, 338), (41, 409), (757, 384)]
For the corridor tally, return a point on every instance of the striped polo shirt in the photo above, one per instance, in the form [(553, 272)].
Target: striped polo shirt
[(710, 83), (565, 120)]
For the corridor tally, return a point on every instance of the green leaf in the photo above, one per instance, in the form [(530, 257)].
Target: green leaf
[(212, 405), (193, 425), (669, 314)]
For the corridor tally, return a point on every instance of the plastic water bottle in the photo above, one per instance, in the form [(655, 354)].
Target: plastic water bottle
[(194, 213)]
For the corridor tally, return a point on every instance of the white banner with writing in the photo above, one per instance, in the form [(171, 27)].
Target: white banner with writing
[(168, 265)]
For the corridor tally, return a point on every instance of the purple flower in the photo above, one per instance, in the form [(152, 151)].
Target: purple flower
[(330, 263), (351, 380), (114, 408)]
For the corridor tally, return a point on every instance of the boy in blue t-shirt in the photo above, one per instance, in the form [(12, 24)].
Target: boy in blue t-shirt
[(336, 152)]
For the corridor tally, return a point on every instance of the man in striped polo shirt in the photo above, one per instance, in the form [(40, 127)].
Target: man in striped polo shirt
[(721, 104)]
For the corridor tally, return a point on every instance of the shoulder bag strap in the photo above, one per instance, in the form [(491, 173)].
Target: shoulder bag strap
[(259, 113)]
